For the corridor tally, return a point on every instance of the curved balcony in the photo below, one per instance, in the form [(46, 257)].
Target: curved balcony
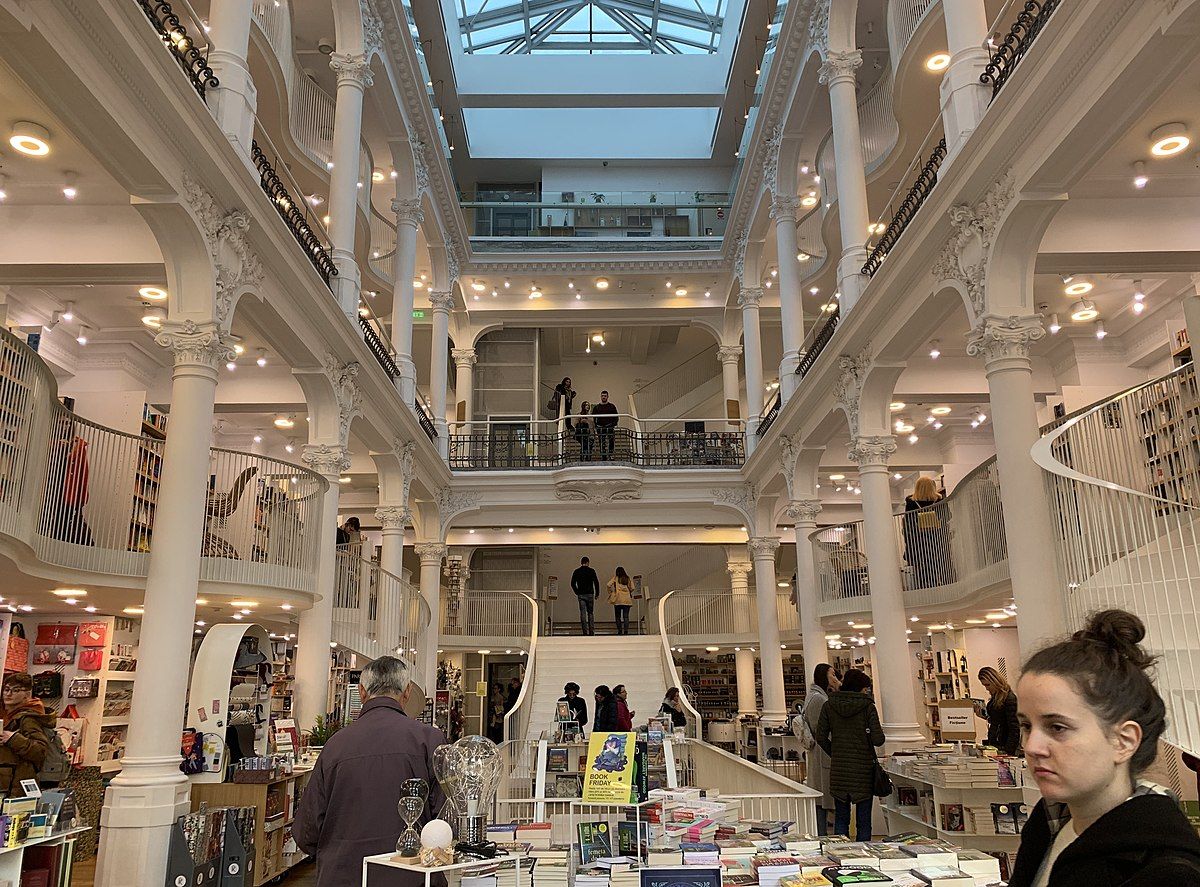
[(375, 613), (1124, 482), (491, 618), (904, 17), (699, 618), (78, 500), (952, 554)]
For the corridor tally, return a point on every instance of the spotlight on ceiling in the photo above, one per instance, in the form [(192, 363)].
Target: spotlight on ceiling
[(1167, 141), (30, 138)]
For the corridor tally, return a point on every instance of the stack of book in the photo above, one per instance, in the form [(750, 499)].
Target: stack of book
[(553, 868), (772, 869), (705, 854)]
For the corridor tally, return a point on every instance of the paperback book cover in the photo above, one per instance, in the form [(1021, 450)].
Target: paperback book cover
[(594, 841), (840, 874), (629, 843), (556, 759), (609, 774), (686, 876)]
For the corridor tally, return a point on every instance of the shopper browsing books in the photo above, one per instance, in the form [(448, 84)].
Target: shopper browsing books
[(849, 731), (25, 739), (348, 809), (1004, 730), (576, 704), (1091, 719), (624, 715), (606, 710), (825, 681)]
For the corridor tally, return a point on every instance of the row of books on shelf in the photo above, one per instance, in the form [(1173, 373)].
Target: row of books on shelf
[(969, 768), (987, 818)]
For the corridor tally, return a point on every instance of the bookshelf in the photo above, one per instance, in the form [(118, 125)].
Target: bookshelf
[(713, 681), (146, 482), (283, 680), (1170, 432), (944, 675)]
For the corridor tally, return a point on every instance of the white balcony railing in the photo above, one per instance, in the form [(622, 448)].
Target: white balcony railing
[(877, 124), (948, 552), (375, 613), (84, 497), (903, 19), (383, 246), (487, 614), (1124, 481), (677, 382), (722, 616)]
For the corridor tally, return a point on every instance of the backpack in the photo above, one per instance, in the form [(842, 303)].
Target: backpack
[(801, 729), (57, 766)]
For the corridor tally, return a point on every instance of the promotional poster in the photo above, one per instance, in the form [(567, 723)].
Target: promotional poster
[(609, 777)]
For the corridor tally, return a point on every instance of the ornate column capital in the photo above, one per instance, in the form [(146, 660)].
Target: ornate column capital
[(430, 552), (784, 208), (848, 390), (325, 459), (463, 356), (408, 212), (839, 66), (393, 517), (441, 301), (197, 345), (965, 256), (343, 378), (739, 570), (729, 353), (763, 547), (872, 451), (996, 338), (352, 68), (750, 296), (804, 511)]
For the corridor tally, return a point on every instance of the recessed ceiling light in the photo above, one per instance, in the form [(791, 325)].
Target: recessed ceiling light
[(377, 175), (152, 293), (1168, 139), (976, 621), (478, 287), (89, 609), (940, 411), (1083, 310), (282, 421), (133, 611), (69, 592), (681, 291), (243, 604), (30, 138), (601, 283), (1078, 288), (896, 405), (807, 201), (153, 316), (939, 61), (837, 477)]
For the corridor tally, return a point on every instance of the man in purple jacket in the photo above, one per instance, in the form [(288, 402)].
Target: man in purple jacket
[(349, 807)]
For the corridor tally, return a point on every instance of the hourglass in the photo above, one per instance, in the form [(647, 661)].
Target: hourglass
[(413, 793)]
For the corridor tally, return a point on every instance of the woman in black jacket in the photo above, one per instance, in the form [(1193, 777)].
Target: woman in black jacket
[(1004, 731), (1091, 719), (672, 706), (606, 710), (849, 731)]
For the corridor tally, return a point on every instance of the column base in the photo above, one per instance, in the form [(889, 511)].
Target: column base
[(235, 101), (773, 718), (140, 807), (788, 380), (443, 439), (407, 383), (904, 736)]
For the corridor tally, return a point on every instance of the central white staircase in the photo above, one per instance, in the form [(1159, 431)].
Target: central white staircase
[(633, 660)]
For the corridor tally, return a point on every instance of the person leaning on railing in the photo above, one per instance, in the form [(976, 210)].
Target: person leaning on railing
[(927, 535)]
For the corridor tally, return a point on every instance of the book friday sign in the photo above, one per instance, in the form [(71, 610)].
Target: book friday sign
[(609, 776)]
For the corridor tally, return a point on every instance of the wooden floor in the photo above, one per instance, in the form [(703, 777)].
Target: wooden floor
[(301, 876)]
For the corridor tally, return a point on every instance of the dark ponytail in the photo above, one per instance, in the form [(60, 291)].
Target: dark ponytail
[(1108, 666)]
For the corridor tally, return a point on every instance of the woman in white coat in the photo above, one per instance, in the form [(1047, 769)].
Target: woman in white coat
[(825, 681)]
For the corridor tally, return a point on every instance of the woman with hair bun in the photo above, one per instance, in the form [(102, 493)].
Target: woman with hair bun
[(1090, 723)]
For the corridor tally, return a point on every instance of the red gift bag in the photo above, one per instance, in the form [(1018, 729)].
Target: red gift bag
[(17, 658), (57, 634), (91, 659), (92, 634)]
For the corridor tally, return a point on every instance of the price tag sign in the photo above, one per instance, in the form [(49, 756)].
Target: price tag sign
[(31, 788), (958, 719)]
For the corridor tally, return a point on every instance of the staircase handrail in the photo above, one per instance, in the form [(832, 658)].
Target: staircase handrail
[(695, 725), (376, 612), (675, 382), (516, 720)]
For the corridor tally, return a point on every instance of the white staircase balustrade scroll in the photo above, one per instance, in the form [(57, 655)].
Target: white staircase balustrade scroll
[(1124, 484), (376, 613), (518, 718)]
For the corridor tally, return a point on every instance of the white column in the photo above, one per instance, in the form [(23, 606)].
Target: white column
[(853, 211), (464, 367), (791, 311), (1003, 343), (233, 103), (770, 656), (749, 299), (431, 554), (743, 659), (964, 96), (143, 801), (804, 512), (439, 352), (731, 386), (894, 675), (409, 217), (391, 551), (316, 623), (353, 77)]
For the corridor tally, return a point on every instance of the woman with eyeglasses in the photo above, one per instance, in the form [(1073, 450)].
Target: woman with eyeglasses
[(25, 737)]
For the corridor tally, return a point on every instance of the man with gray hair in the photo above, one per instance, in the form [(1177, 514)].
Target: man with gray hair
[(349, 808)]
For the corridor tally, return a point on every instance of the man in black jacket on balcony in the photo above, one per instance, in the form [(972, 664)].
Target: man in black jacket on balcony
[(586, 585), (605, 420)]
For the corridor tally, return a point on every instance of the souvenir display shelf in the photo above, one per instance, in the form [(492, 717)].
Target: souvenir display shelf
[(12, 859), (390, 860)]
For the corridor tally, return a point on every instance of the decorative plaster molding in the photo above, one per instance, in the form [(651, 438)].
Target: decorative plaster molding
[(750, 296), (763, 547), (789, 453), (408, 211), (128, 359), (715, 264), (441, 301), (430, 552), (597, 491), (771, 161), (965, 256), (452, 262), (729, 353), (420, 163), (326, 460), (871, 450), (352, 68), (742, 497), (372, 26), (840, 66), (463, 356), (343, 378), (393, 517), (995, 337), (739, 255), (407, 451), (452, 503), (818, 25), (848, 390), (739, 570), (195, 345), (804, 511), (784, 208), (236, 264)]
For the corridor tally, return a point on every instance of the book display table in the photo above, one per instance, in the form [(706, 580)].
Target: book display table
[(454, 872)]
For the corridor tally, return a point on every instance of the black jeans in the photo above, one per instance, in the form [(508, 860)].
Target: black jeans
[(606, 433), (587, 617), (622, 618)]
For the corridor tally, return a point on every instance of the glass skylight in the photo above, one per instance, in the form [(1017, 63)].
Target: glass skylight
[(590, 27)]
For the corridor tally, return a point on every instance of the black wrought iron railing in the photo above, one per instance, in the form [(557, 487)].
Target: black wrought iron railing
[(1016, 42), (515, 451), (425, 419), (293, 216), (907, 210), (820, 340), (180, 44), (769, 417), (380, 350)]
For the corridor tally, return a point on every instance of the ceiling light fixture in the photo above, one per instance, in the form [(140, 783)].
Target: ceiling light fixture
[(152, 293), (30, 138), (82, 338), (377, 175), (69, 592), (477, 286), (681, 291), (282, 421), (1168, 140), (1084, 310), (507, 283), (934, 351), (1079, 288), (1101, 332), (939, 61), (941, 410), (1140, 179), (601, 283), (262, 357), (1055, 326), (896, 405), (69, 190), (153, 316), (802, 256)]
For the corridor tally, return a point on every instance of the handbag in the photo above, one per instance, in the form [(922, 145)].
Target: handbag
[(881, 783), (91, 659), (48, 685), (928, 520)]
